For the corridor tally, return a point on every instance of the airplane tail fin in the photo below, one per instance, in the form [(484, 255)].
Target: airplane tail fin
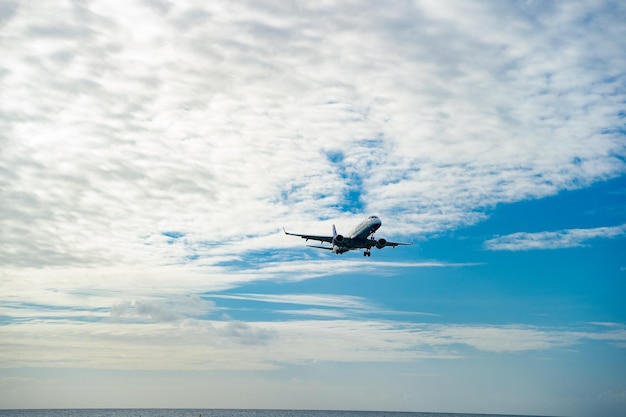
[(334, 232)]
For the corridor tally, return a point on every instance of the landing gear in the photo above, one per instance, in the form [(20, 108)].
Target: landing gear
[(369, 246)]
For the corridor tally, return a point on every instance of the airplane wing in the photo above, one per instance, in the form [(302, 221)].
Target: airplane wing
[(320, 247), (394, 244), (327, 239), (383, 243)]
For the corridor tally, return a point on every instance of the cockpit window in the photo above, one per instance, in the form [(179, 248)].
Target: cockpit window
[(373, 217)]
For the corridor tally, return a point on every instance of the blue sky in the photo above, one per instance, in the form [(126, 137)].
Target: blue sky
[(151, 153)]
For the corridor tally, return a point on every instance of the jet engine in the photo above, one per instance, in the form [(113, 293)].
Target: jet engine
[(338, 239), (380, 243)]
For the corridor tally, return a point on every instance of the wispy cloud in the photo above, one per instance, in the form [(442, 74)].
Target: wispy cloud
[(328, 305), (569, 238), (322, 300), (171, 309), (210, 344), (171, 292)]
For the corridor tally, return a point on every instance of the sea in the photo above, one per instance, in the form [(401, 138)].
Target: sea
[(153, 412)]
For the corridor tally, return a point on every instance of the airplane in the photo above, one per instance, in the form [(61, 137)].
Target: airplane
[(358, 238)]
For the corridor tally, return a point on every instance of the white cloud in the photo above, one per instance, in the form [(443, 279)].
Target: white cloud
[(569, 238), (161, 310), (236, 345), (325, 300), (330, 305), (216, 120)]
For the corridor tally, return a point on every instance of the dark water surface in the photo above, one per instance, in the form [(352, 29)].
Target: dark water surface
[(156, 412)]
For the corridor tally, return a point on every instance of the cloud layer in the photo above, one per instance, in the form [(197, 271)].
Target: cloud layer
[(225, 121), (570, 238), (236, 345)]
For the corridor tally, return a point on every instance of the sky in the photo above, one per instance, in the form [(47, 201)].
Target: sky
[(152, 151)]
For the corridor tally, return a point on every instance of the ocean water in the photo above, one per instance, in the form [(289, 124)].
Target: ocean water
[(137, 412)]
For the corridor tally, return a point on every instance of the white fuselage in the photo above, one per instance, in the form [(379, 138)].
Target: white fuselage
[(364, 229), (357, 237)]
